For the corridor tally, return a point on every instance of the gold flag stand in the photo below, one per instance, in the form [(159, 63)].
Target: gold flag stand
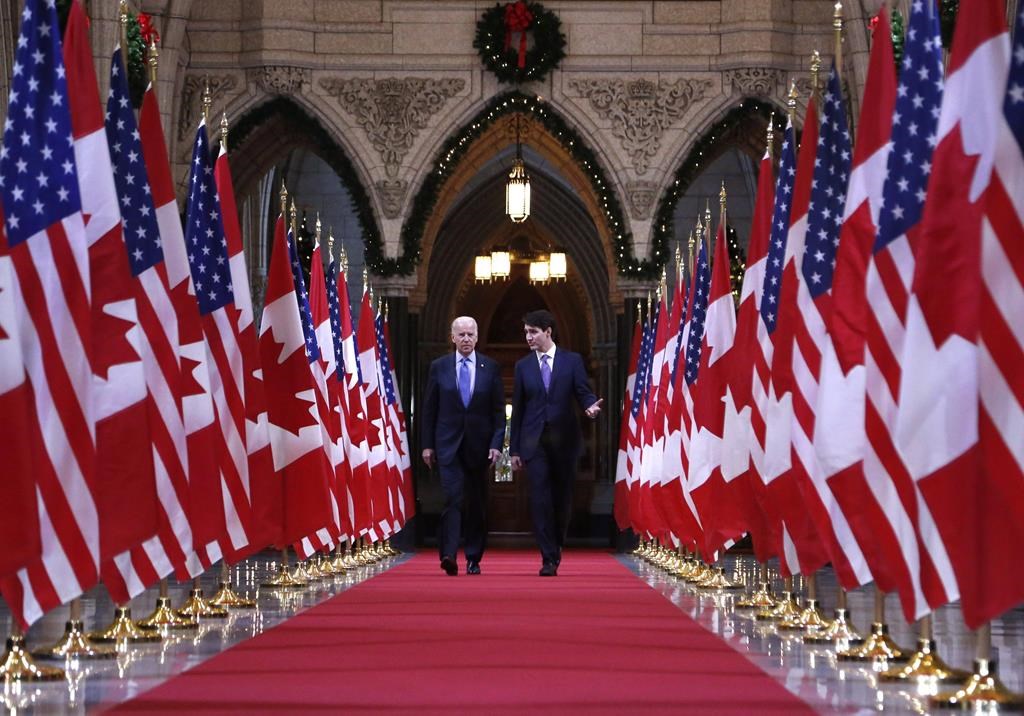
[(75, 644), (164, 615), (983, 692), (810, 620), (198, 606), (879, 645), (226, 597), (839, 631), (925, 663), (786, 607), (124, 630), (17, 663), (284, 579), (760, 598)]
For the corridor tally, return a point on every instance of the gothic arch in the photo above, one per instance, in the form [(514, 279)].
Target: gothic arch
[(269, 131), (479, 141)]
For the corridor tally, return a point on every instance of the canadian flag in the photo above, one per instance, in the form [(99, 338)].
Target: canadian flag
[(621, 505)]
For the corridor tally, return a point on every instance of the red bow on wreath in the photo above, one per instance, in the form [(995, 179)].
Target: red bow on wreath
[(517, 19), (147, 31)]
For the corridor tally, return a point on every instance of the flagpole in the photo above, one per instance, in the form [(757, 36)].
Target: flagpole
[(837, 28), (75, 643), (164, 616), (284, 579)]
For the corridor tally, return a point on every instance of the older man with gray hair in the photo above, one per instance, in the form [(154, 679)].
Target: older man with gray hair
[(463, 414)]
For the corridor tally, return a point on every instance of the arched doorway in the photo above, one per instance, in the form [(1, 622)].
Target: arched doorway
[(474, 222)]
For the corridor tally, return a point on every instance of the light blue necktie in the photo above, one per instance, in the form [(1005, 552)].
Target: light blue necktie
[(464, 382), (545, 371)]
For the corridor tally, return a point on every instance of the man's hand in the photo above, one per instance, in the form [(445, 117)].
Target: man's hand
[(494, 455), (517, 462), (428, 457), (595, 409)]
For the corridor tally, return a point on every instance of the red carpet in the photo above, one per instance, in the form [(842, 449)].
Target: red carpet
[(593, 639)]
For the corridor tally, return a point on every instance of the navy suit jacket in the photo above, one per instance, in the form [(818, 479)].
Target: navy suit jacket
[(448, 425), (533, 407)]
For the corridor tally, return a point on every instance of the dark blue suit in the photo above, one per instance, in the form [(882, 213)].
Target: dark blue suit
[(461, 437), (546, 436)]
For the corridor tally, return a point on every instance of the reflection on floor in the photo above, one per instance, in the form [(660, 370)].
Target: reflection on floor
[(813, 671), (139, 667)]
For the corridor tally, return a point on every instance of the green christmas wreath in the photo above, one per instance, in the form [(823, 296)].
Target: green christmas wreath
[(501, 41)]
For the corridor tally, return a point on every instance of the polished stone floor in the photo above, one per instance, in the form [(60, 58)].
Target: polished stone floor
[(814, 673), (95, 684)]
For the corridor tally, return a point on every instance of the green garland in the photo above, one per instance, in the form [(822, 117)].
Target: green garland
[(898, 38), (548, 45), (702, 154), (448, 159)]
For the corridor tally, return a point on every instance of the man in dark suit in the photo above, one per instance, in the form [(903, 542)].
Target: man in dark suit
[(545, 433), (463, 417)]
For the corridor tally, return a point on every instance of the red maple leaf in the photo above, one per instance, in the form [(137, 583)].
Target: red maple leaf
[(111, 283), (287, 409)]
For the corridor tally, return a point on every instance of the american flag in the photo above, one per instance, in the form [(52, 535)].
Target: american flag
[(324, 372), (701, 290), (173, 549), (396, 418), (345, 477), (798, 546), (807, 313), (124, 576), (652, 432), (51, 293), (621, 504), (903, 561), (959, 414), (356, 421), (206, 244), (257, 435), (636, 418)]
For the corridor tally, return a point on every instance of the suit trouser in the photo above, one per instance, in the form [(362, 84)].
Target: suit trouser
[(552, 473), (465, 509)]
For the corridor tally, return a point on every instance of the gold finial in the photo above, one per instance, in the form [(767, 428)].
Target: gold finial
[(648, 305), (284, 200), (837, 27), (343, 261), (122, 17), (294, 215), (330, 240), (207, 99), (154, 61), (770, 141), (366, 279), (316, 235), (815, 71), (662, 286), (680, 259), (791, 102), (721, 203), (707, 219), (224, 130)]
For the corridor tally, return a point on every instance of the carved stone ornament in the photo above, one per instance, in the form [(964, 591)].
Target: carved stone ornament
[(392, 110), (641, 110), (279, 79), (753, 81), (392, 196), (191, 96), (642, 195)]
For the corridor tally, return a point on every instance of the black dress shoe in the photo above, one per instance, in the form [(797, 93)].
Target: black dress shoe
[(549, 570), (450, 566), (472, 568)]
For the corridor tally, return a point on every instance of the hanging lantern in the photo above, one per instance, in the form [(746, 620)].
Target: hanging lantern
[(557, 266), (482, 269), (540, 271), (517, 189), (501, 264)]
